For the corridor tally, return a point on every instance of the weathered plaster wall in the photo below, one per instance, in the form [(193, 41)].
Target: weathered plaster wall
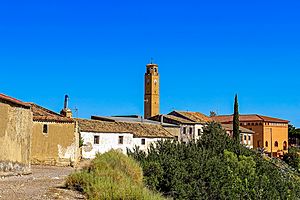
[(15, 133), (107, 141), (175, 131), (148, 142), (59, 146)]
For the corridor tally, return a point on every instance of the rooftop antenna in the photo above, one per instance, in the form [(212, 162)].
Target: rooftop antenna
[(76, 111)]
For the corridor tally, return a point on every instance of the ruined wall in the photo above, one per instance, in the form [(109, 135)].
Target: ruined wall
[(15, 135), (59, 146)]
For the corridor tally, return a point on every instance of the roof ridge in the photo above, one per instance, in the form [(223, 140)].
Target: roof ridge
[(46, 109)]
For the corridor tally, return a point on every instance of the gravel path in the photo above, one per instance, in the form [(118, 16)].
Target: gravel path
[(45, 182)]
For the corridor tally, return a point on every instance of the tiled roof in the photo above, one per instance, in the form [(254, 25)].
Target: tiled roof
[(131, 118), (137, 129), (43, 114), (192, 116), (173, 119), (14, 101), (248, 118), (229, 127)]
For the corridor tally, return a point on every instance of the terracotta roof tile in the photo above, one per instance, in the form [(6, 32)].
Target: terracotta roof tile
[(14, 101), (138, 129), (229, 127), (192, 116), (248, 118), (175, 119), (43, 114)]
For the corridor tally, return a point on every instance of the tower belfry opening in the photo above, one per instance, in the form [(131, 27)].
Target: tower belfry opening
[(151, 98)]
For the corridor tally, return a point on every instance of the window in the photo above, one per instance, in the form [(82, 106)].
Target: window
[(250, 129), (276, 144), (249, 138), (284, 145), (258, 143), (143, 141), (241, 137), (199, 132), (121, 138), (267, 144), (96, 139), (245, 137), (248, 124), (45, 128), (184, 130), (176, 138), (241, 124), (191, 130), (252, 124), (256, 124)]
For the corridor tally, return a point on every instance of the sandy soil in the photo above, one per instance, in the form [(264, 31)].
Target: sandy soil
[(45, 182)]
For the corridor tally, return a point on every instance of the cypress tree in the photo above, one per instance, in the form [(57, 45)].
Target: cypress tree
[(236, 121)]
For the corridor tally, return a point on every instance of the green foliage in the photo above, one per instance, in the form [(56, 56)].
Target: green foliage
[(292, 158), (81, 142), (293, 131), (236, 121), (111, 176), (215, 167)]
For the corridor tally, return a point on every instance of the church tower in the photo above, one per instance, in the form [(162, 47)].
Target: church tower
[(151, 100)]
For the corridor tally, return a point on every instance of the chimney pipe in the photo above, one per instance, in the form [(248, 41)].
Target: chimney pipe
[(162, 119), (66, 101)]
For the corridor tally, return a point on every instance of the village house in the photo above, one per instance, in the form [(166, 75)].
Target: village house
[(271, 134), (102, 136), (246, 135), (191, 123), (189, 130), (174, 129), (55, 137), (15, 136)]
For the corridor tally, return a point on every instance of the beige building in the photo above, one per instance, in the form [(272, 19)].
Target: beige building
[(55, 138), (15, 135)]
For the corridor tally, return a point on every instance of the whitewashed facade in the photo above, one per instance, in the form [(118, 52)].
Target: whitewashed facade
[(103, 142)]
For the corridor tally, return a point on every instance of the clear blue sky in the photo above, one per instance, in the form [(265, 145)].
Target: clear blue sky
[(207, 51)]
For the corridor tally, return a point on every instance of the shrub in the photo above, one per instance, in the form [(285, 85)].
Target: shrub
[(111, 176), (215, 167)]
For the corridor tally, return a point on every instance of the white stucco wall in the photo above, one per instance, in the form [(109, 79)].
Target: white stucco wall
[(148, 142), (107, 141), (187, 137), (200, 128)]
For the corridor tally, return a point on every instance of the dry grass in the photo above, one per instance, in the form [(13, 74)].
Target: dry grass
[(112, 175)]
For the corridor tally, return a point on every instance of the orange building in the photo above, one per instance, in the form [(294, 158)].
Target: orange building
[(271, 134), (151, 99)]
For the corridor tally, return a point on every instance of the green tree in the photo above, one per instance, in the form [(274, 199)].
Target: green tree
[(236, 121), (214, 167)]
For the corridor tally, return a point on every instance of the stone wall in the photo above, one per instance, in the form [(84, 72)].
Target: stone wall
[(15, 138)]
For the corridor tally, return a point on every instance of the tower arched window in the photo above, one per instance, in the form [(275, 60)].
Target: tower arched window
[(267, 144), (276, 144)]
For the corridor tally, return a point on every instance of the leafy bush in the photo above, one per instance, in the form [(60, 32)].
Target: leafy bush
[(292, 158), (215, 167), (111, 176)]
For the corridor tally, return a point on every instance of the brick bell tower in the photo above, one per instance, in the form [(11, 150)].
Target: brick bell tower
[(151, 99)]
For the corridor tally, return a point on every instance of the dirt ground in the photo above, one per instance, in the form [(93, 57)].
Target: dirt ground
[(45, 182)]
